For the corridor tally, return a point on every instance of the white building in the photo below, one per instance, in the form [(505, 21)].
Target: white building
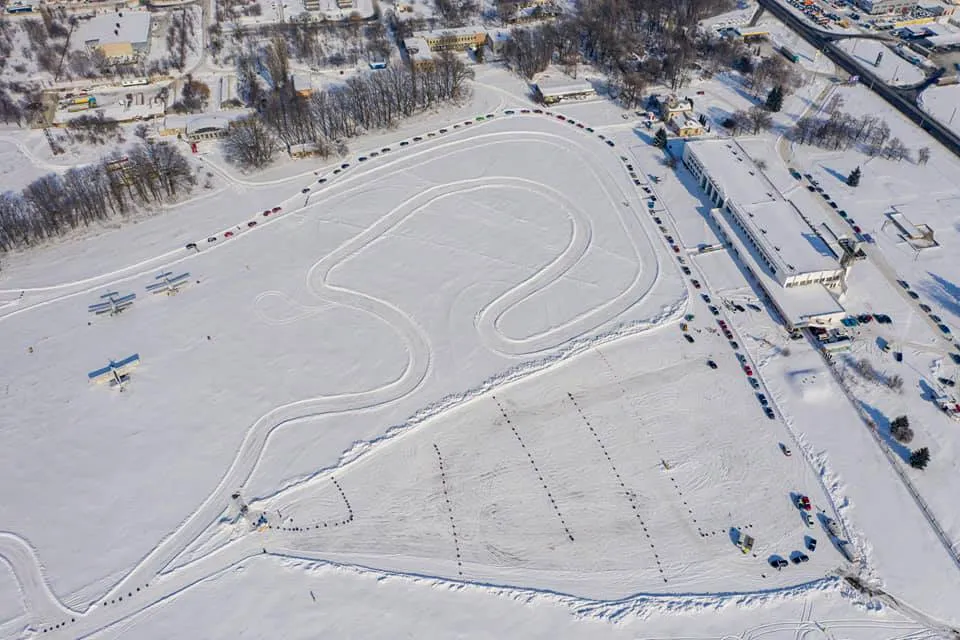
[(789, 257), (120, 34), (552, 88)]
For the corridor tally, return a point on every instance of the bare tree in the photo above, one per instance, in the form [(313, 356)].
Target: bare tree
[(759, 118), (923, 155), (250, 143)]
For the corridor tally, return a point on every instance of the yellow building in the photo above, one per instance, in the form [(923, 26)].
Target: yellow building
[(453, 39), (419, 54)]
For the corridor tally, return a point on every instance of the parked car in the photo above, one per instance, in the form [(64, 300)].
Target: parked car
[(191, 245), (763, 399), (711, 364), (944, 328), (754, 382), (685, 269), (786, 450), (778, 563), (904, 284), (811, 543), (705, 297), (798, 556), (913, 294), (688, 337), (276, 210), (769, 412), (252, 223), (946, 381), (953, 356), (695, 283), (228, 234), (321, 180), (212, 239), (734, 344), (747, 369), (925, 307), (803, 502), (936, 318), (305, 190), (714, 310)]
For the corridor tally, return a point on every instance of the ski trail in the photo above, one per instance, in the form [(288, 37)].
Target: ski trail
[(38, 598)]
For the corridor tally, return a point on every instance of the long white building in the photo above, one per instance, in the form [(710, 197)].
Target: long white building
[(788, 256)]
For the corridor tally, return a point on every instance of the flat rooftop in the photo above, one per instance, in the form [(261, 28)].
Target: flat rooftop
[(800, 305), (114, 27), (774, 220), (558, 82)]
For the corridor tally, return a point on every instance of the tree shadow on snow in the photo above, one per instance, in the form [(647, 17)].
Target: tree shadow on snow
[(836, 174), (944, 293), (883, 429)]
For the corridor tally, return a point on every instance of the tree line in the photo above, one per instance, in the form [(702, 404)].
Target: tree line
[(149, 174), (324, 120)]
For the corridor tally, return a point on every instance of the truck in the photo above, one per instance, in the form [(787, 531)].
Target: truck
[(789, 55)]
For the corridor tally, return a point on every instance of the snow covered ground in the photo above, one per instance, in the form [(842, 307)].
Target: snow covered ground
[(942, 103), (453, 380), (892, 68)]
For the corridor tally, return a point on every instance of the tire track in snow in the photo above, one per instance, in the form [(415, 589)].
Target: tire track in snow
[(536, 469), (417, 346), (39, 600), (630, 495)]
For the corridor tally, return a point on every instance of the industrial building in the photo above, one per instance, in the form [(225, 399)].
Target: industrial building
[(875, 7), (121, 36), (787, 256)]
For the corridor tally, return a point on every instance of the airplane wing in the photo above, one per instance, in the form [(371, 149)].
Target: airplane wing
[(126, 298), (157, 287), (164, 275), (129, 362), (100, 374), (108, 294), (100, 306), (179, 278)]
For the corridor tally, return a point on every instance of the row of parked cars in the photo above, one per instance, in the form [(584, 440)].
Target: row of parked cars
[(191, 246), (944, 329)]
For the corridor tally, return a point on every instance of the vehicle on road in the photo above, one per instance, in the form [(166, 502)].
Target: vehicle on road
[(786, 450), (714, 310), (688, 337), (212, 239), (754, 382), (305, 190), (228, 234), (695, 283), (762, 399), (803, 502), (686, 270), (747, 370), (769, 413)]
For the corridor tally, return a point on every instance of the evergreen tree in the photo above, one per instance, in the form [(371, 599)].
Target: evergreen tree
[(854, 178), (661, 138), (775, 99), (920, 458)]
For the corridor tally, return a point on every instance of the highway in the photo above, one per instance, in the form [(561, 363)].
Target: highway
[(823, 41)]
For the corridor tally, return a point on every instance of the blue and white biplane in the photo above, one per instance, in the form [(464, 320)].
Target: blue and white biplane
[(115, 373), (113, 303), (168, 283)]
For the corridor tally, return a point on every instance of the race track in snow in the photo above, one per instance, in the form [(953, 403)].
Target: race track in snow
[(521, 327)]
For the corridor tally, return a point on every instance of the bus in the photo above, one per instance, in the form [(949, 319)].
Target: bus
[(135, 82)]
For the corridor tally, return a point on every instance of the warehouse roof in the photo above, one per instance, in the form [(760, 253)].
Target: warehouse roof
[(110, 28)]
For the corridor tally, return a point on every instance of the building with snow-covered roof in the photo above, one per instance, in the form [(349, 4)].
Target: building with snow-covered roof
[(551, 88), (786, 254), (459, 39), (418, 53), (118, 36)]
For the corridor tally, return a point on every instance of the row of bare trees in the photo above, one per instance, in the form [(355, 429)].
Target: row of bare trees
[(325, 119), (835, 129), (149, 174)]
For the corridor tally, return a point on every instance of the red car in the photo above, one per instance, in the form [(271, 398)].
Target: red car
[(747, 370), (228, 234), (803, 502), (277, 209)]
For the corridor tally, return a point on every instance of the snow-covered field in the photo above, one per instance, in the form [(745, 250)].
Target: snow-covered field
[(452, 384), (892, 68), (942, 103)]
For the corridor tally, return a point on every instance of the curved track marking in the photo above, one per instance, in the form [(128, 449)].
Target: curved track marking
[(39, 600), (416, 343)]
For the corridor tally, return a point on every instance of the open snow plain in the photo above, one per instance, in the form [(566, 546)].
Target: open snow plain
[(460, 360)]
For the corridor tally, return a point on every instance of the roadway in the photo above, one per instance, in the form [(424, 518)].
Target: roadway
[(906, 104)]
